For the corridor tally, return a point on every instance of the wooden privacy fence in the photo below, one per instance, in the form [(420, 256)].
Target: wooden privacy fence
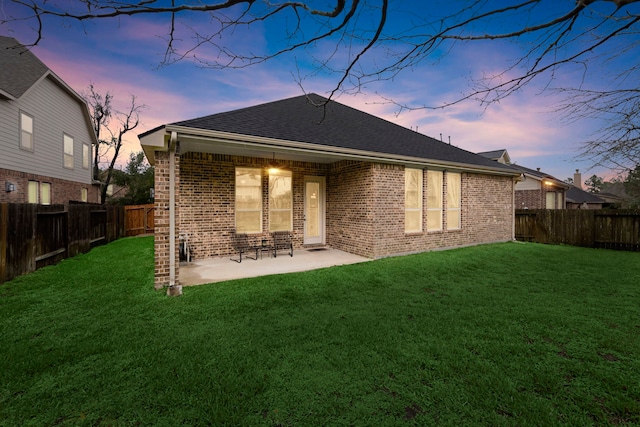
[(139, 219), (611, 229), (33, 236)]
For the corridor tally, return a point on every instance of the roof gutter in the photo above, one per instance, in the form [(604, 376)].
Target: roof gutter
[(273, 144)]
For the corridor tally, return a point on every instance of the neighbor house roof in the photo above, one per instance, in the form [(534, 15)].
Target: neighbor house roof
[(497, 155), (577, 195), (19, 68), (541, 176), (330, 126)]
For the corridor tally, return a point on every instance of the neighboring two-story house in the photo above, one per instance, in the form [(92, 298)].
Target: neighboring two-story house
[(46, 136)]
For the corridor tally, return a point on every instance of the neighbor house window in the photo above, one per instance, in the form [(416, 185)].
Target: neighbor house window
[(248, 200), (85, 156), (26, 131), (454, 200), (45, 193), (280, 201), (84, 194), (412, 200), (68, 151), (551, 202), (434, 200), (33, 192)]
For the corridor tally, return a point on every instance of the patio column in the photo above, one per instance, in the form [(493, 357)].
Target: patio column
[(167, 224)]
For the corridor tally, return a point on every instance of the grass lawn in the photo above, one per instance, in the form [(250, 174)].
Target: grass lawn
[(509, 334)]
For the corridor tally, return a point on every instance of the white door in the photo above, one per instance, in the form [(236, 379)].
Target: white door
[(314, 210)]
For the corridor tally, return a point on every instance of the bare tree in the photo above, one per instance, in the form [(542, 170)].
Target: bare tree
[(110, 141), (582, 37)]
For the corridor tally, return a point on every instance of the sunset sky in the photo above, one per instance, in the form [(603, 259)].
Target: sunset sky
[(123, 56)]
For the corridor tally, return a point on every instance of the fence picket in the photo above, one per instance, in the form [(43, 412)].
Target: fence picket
[(613, 229)]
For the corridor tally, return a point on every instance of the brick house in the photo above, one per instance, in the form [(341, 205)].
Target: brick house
[(46, 136), (535, 189), (332, 175), (539, 190)]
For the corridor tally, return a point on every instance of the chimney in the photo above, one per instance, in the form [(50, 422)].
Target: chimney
[(577, 179)]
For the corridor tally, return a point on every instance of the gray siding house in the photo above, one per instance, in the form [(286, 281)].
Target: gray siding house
[(46, 136)]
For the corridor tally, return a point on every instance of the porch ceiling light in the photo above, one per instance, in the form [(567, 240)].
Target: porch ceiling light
[(273, 166)]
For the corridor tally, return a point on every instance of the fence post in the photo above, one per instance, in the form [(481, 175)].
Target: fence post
[(4, 222)]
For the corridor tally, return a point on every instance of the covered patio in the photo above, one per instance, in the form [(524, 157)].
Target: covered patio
[(220, 269)]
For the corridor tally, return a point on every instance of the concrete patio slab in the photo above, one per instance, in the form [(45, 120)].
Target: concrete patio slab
[(211, 270)]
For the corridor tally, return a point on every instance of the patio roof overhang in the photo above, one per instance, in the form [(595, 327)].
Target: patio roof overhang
[(217, 142)]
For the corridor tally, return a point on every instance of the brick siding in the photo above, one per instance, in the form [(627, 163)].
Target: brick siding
[(364, 207), (62, 191)]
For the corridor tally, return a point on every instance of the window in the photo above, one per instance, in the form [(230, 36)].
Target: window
[(434, 200), (454, 200), (248, 200), (33, 192), (280, 201), (85, 156), (45, 193), (84, 194), (551, 200), (412, 200), (26, 131), (68, 151), (39, 192)]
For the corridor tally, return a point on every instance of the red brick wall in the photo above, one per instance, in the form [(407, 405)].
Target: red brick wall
[(535, 199), (161, 218), (62, 191), (364, 207)]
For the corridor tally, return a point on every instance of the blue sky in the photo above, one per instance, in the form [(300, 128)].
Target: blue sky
[(123, 56)]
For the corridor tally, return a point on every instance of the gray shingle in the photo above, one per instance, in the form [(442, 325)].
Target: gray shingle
[(300, 119), (19, 68)]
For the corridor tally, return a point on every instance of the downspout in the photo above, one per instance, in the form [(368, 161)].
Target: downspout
[(173, 290)]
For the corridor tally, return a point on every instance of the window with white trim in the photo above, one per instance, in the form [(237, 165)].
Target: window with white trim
[(280, 201), (68, 151), (454, 201), (86, 155), (45, 193), (412, 200), (248, 200), (84, 194), (33, 192), (26, 131), (434, 200)]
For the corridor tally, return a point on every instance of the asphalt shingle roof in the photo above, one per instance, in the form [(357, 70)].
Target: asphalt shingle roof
[(300, 119), (577, 195), (19, 68)]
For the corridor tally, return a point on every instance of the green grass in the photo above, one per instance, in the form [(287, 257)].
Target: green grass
[(509, 334)]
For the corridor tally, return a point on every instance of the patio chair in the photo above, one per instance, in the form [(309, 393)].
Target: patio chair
[(241, 245), (282, 240)]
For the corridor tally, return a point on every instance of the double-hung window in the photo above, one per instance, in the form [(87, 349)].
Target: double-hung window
[(86, 152), (248, 200), (412, 200), (434, 200), (454, 200), (68, 151), (280, 201), (39, 192), (33, 192), (26, 131)]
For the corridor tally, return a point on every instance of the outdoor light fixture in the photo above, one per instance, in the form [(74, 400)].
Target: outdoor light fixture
[(9, 187), (273, 166)]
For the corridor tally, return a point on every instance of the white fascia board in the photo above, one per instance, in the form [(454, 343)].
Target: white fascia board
[(275, 144), (155, 141)]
